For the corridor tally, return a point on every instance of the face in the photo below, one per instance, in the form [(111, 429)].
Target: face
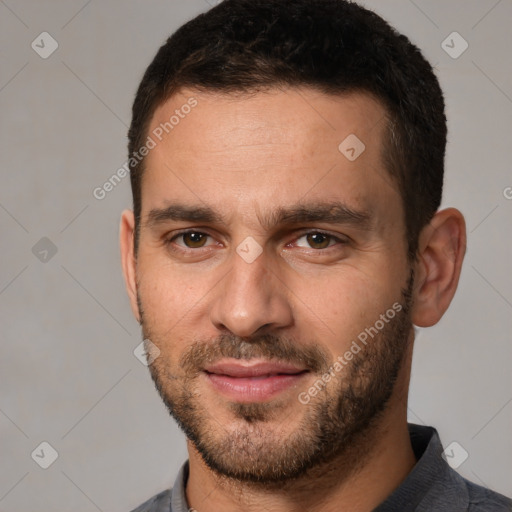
[(272, 276)]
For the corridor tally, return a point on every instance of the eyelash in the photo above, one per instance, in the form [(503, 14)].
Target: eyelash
[(169, 241)]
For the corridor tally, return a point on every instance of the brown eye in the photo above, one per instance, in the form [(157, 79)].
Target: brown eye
[(318, 240), (193, 239)]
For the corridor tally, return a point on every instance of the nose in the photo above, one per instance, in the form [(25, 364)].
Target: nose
[(251, 299)]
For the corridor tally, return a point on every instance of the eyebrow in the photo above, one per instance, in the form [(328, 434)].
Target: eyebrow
[(326, 212)]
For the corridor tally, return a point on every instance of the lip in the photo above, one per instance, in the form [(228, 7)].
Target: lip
[(255, 381), (257, 368)]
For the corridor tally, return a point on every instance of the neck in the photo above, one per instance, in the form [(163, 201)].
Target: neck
[(358, 480)]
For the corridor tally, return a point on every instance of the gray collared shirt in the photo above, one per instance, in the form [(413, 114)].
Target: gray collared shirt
[(432, 485)]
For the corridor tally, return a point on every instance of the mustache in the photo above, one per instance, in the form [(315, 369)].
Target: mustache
[(270, 346)]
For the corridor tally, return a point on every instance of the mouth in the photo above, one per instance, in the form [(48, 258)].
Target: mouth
[(253, 381)]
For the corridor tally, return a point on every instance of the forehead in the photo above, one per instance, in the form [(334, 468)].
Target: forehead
[(270, 147), (260, 117)]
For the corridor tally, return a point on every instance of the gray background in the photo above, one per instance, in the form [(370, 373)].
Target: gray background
[(68, 373)]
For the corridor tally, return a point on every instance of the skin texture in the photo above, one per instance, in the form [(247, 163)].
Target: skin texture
[(303, 299)]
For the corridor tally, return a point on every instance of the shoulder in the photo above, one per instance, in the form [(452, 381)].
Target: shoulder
[(454, 492), (481, 499), (159, 503), (434, 485)]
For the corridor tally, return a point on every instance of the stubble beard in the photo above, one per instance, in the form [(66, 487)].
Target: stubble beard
[(257, 446)]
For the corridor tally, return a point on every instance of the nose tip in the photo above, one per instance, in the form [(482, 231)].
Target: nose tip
[(244, 325)]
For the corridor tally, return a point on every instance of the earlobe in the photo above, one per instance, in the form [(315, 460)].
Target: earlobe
[(442, 245), (128, 261)]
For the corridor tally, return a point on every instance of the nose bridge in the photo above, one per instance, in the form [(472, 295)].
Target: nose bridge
[(250, 297)]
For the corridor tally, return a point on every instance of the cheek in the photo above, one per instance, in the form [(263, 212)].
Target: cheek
[(341, 305), (163, 295), (173, 298), (164, 318)]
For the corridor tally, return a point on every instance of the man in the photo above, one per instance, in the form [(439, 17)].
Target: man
[(287, 166)]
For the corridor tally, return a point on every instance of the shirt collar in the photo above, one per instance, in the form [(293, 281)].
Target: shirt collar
[(429, 467), (178, 497)]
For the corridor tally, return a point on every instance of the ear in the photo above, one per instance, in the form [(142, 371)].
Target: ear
[(128, 260), (441, 249)]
